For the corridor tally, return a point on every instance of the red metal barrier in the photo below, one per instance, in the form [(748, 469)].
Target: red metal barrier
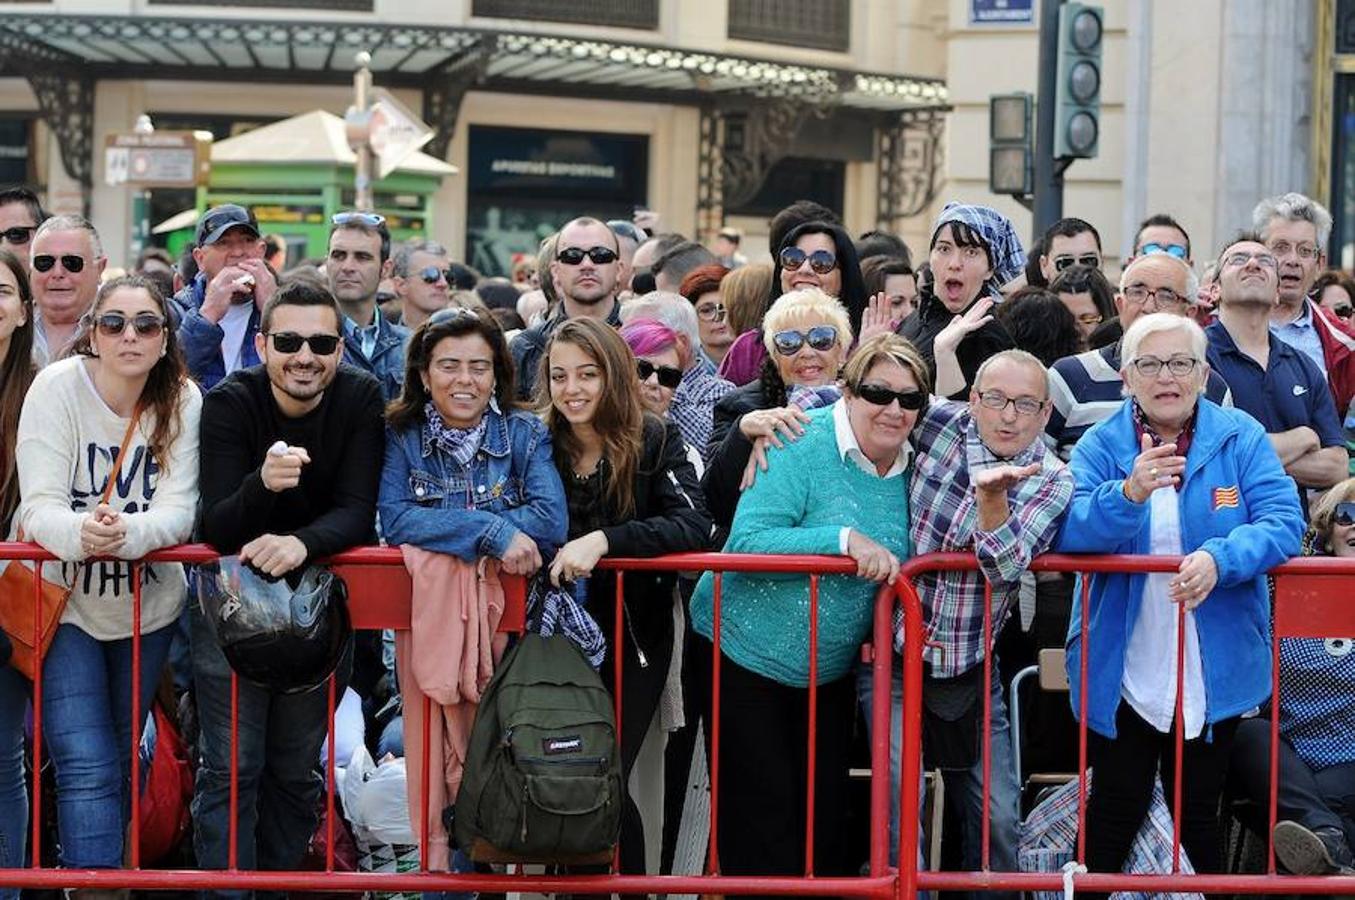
[(379, 590), (1310, 601)]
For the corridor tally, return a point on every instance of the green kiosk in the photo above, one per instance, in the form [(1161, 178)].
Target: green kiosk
[(298, 172)]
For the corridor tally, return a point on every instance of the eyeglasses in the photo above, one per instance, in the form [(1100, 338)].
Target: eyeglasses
[(1284, 248), (1241, 258), (572, 256), (69, 261), (711, 312), (1165, 298), (290, 342), (370, 220), (1342, 312), (790, 342), (1177, 250), (821, 261), (452, 314), (1025, 406), (1087, 259), (114, 324), (1345, 513), (879, 395), (1178, 366), (432, 274), (17, 235), (1089, 319), (669, 377)]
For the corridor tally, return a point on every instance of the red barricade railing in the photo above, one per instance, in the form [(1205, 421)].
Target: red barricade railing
[(379, 590), (1308, 603)]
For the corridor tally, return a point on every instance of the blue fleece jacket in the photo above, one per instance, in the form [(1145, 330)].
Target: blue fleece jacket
[(1236, 503)]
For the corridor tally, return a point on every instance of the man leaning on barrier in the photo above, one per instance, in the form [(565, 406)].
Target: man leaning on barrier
[(984, 483), (291, 456)]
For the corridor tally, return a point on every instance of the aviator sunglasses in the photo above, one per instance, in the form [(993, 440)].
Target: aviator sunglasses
[(790, 342), (114, 324), (69, 261), (821, 261)]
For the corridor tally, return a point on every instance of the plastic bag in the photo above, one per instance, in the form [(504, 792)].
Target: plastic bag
[(374, 796)]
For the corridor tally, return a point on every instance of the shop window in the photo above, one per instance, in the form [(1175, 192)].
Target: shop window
[(623, 13), (821, 24), (796, 178)]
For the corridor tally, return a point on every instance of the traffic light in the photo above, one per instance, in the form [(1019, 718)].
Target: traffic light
[(1077, 98), (1011, 144)]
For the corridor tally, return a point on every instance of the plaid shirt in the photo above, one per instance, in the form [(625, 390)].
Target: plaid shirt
[(693, 407), (944, 515)]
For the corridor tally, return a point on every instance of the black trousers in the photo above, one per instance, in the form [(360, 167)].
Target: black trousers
[(764, 734), (1122, 789), (1323, 798)]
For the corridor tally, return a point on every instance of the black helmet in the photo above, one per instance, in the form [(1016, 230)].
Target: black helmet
[(284, 634)]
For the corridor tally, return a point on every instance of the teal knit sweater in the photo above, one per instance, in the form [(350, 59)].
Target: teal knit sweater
[(799, 506)]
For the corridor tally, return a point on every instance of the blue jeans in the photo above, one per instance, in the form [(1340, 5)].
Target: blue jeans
[(279, 778), (14, 691), (966, 785), (87, 726)]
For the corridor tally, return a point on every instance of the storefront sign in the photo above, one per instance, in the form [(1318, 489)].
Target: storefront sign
[(157, 159)]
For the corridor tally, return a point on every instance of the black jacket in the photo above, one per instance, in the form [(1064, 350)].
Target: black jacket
[(931, 318), (670, 517), (530, 343), (729, 452)]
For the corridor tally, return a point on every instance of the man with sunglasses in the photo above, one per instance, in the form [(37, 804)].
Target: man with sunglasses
[(222, 304), (983, 483), (20, 215), (1296, 230), (1069, 242), (291, 453), (358, 260), (585, 273), (66, 259), (419, 274), (1160, 233), (1277, 384)]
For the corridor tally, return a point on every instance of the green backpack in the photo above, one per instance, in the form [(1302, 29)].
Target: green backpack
[(542, 781)]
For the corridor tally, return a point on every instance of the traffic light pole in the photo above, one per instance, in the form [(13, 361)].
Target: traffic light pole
[(1048, 170)]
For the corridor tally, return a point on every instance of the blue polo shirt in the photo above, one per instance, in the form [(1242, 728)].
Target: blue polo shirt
[(1290, 392)]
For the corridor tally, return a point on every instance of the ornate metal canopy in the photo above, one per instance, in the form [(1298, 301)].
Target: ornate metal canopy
[(62, 56)]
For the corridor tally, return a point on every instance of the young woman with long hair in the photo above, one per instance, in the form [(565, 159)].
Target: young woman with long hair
[(631, 492), (126, 377)]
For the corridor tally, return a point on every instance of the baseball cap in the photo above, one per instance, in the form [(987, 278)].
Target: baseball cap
[(220, 219)]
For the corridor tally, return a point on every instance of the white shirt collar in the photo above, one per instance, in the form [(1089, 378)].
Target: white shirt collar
[(850, 449)]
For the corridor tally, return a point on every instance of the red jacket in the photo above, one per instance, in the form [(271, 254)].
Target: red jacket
[(1338, 348)]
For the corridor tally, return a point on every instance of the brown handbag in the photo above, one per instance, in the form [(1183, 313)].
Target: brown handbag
[(24, 592)]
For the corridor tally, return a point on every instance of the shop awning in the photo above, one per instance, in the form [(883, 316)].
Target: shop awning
[(163, 47)]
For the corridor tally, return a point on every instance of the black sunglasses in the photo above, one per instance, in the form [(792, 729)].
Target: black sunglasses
[(114, 324), (1345, 513), (820, 337), (290, 342), (69, 261), (19, 234), (669, 377), (572, 256), (821, 261), (879, 395), (1086, 259), (431, 274), (1342, 312)]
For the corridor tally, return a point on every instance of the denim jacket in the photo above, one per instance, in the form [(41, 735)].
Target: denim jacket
[(201, 338), (387, 362), (430, 500)]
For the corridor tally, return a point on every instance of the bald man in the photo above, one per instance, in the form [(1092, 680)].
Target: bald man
[(1087, 388)]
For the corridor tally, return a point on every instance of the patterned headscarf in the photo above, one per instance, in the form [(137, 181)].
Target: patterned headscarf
[(997, 231)]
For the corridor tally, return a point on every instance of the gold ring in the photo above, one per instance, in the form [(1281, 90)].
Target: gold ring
[(1153, 471)]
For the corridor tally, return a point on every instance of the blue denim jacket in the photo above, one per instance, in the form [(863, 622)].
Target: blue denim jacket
[(387, 362), (430, 500)]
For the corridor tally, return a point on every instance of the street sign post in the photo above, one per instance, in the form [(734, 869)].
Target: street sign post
[(157, 158), (380, 129)]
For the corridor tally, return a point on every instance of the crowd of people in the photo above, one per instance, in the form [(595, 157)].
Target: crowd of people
[(632, 393)]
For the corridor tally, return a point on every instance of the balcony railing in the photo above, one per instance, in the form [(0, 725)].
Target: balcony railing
[(821, 24), (620, 13)]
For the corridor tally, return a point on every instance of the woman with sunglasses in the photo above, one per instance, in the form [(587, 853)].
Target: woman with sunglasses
[(16, 374), (806, 334), (1172, 474), (126, 382), (659, 366), (818, 256), (465, 474), (841, 488), (631, 492), (974, 251), (1334, 291), (1316, 800)]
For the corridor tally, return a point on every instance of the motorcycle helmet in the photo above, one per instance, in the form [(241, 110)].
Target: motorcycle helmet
[(286, 634)]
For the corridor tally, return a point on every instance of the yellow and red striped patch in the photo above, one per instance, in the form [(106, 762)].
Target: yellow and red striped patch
[(1226, 498)]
